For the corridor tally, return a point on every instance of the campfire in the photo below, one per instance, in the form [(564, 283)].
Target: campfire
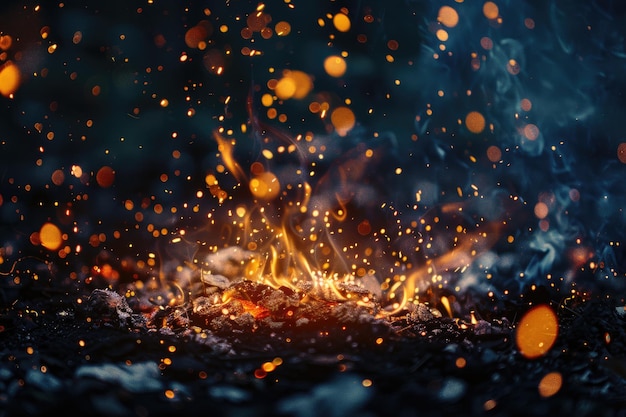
[(293, 209)]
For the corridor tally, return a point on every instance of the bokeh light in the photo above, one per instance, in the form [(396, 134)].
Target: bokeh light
[(490, 10), (105, 176), (265, 186), (550, 384), (335, 66), (343, 120), (10, 78), (537, 331), (341, 22), (50, 236), (448, 16), (475, 122), (294, 84)]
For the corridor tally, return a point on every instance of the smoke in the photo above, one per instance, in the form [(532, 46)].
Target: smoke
[(544, 76)]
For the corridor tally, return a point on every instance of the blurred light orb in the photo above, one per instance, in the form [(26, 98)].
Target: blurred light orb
[(490, 10), (448, 16), (343, 120), (341, 22), (50, 236), (335, 66), (105, 176), (10, 78), (537, 331), (475, 122), (265, 186), (550, 384), (294, 84)]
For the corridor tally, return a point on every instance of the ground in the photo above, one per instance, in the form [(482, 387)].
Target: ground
[(102, 357)]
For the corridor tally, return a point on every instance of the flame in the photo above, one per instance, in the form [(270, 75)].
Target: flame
[(294, 234), (293, 246), (226, 148), (286, 237), (458, 258), (294, 230)]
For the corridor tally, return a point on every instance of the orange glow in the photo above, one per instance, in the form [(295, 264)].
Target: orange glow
[(490, 10), (282, 28), (343, 120), (494, 153), (442, 35), (531, 131), (258, 21), (460, 362), (58, 177), (294, 84), (265, 186), (458, 257), (341, 22), (198, 34), (364, 228), (257, 311), (303, 81), (541, 210), (285, 88), (10, 78), (50, 236), (526, 104), (393, 44), (5, 42), (267, 100), (537, 331), (107, 272), (335, 66), (475, 122), (550, 384), (226, 149), (105, 176), (448, 16)]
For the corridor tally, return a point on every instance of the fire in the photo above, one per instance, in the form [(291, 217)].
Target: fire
[(300, 232)]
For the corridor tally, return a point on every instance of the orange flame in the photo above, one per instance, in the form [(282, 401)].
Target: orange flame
[(294, 244), (460, 256), (226, 148)]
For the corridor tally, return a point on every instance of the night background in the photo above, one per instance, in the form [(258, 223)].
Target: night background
[(470, 149)]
